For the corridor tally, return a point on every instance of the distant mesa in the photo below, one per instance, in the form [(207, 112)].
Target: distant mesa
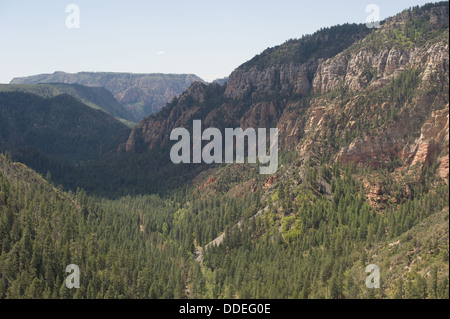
[(141, 94)]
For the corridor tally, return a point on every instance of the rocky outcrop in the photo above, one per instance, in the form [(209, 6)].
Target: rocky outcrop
[(288, 79), (383, 146), (374, 69), (433, 138), (443, 170), (269, 181), (375, 148)]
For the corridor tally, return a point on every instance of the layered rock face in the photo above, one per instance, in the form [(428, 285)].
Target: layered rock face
[(382, 97), (289, 79), (433, 138)]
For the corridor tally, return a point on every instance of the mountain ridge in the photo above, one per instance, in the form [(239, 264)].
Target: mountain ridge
[(262, 97), (140, 93), (95, 97)]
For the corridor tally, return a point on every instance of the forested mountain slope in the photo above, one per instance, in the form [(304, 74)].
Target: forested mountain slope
[(60, 127), (43, 229), (95, 97)]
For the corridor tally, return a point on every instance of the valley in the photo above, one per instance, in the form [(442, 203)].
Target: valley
[(362, 178)]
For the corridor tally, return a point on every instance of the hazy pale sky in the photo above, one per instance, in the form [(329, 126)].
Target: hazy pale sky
[(206, 37)]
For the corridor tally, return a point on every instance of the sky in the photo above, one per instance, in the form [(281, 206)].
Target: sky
[(208, 38)]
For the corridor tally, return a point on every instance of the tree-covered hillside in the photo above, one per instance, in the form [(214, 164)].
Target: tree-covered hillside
[(42, 230), (60, 127), (95, 97)]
